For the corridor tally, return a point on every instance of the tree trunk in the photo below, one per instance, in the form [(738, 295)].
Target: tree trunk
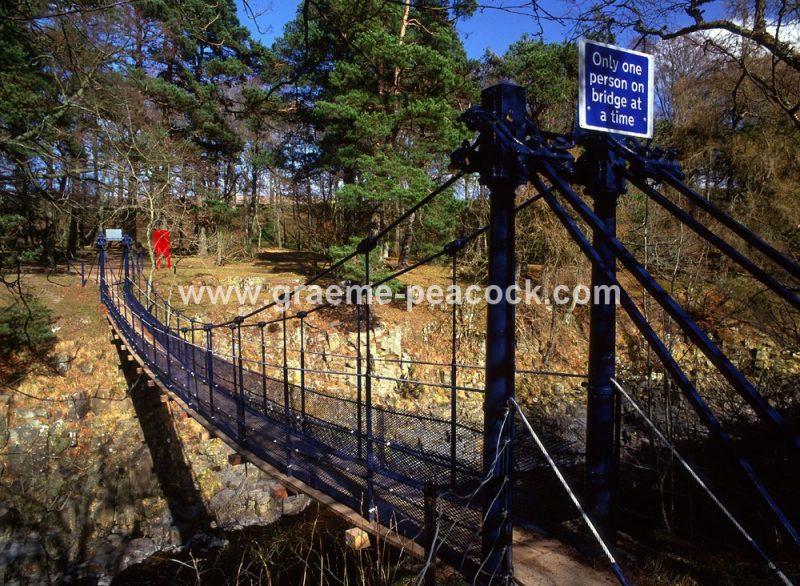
[(408, 239), (72, 235), (220, 246), (397, 244), (375, 221), (403, 29), (202, 242), (133, 196), (276, 212), (250, 211)]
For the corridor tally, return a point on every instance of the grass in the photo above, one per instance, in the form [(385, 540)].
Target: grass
[(309, 549)]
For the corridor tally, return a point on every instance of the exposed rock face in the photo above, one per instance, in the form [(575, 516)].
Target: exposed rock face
[(88, 488)]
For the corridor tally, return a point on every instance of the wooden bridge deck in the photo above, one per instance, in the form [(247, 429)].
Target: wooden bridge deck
[(537, 560)]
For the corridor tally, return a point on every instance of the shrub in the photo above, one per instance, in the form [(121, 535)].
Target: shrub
[(24, 325)]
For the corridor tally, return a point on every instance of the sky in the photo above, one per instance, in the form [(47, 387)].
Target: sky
[(488, 28)]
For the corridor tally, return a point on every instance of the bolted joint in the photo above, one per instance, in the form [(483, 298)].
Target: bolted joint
[(454, 246), (502, 141), (238, 320), (261, 324), (465, 158), (207, 327), (184, 330), (367, 245), (476, 118), (601, 170), (301, 314)]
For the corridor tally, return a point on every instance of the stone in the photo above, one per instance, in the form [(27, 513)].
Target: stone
[(62, 363), (295, 504), (244, 502), (356, 538), (86, 367), (137, 550), (24, 559), (102, 515), (140, 472), (106, 403), (25, 452), (221, 499), (104, 555), (392, 342), (80, 405), (31, 414), (278, 491), (59, 438)]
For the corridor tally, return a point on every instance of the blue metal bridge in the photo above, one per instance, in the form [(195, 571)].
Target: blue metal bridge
[(458, 489)]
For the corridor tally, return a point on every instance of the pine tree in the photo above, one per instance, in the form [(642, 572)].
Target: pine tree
[(382, 85)]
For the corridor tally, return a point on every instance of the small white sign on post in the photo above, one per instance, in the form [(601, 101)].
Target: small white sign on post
[(113, 234), (615, 91)]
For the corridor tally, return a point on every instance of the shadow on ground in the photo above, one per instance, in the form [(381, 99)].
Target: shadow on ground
[(174, 474), (291, 261)]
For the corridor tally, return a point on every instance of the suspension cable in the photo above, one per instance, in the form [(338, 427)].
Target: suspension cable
[(721, 244), (792, 267), (689, 326), (670, 364), (614, 565), (701, 483), (444, 186)]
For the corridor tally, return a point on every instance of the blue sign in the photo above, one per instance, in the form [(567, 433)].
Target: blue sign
[(615, 92)]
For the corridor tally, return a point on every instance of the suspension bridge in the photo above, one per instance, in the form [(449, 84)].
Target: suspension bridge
[(455, 491)]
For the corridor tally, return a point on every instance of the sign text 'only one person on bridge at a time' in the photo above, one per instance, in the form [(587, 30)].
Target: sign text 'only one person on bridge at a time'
[(615, 90)]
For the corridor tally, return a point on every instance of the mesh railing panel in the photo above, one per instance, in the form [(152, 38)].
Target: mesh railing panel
[(327, 445)]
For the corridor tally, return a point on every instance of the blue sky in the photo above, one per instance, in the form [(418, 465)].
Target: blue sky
[(488, 28)]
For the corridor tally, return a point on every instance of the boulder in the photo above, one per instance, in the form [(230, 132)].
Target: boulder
[(137, 550), (86, 367), (80, 405), (62, 362)]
